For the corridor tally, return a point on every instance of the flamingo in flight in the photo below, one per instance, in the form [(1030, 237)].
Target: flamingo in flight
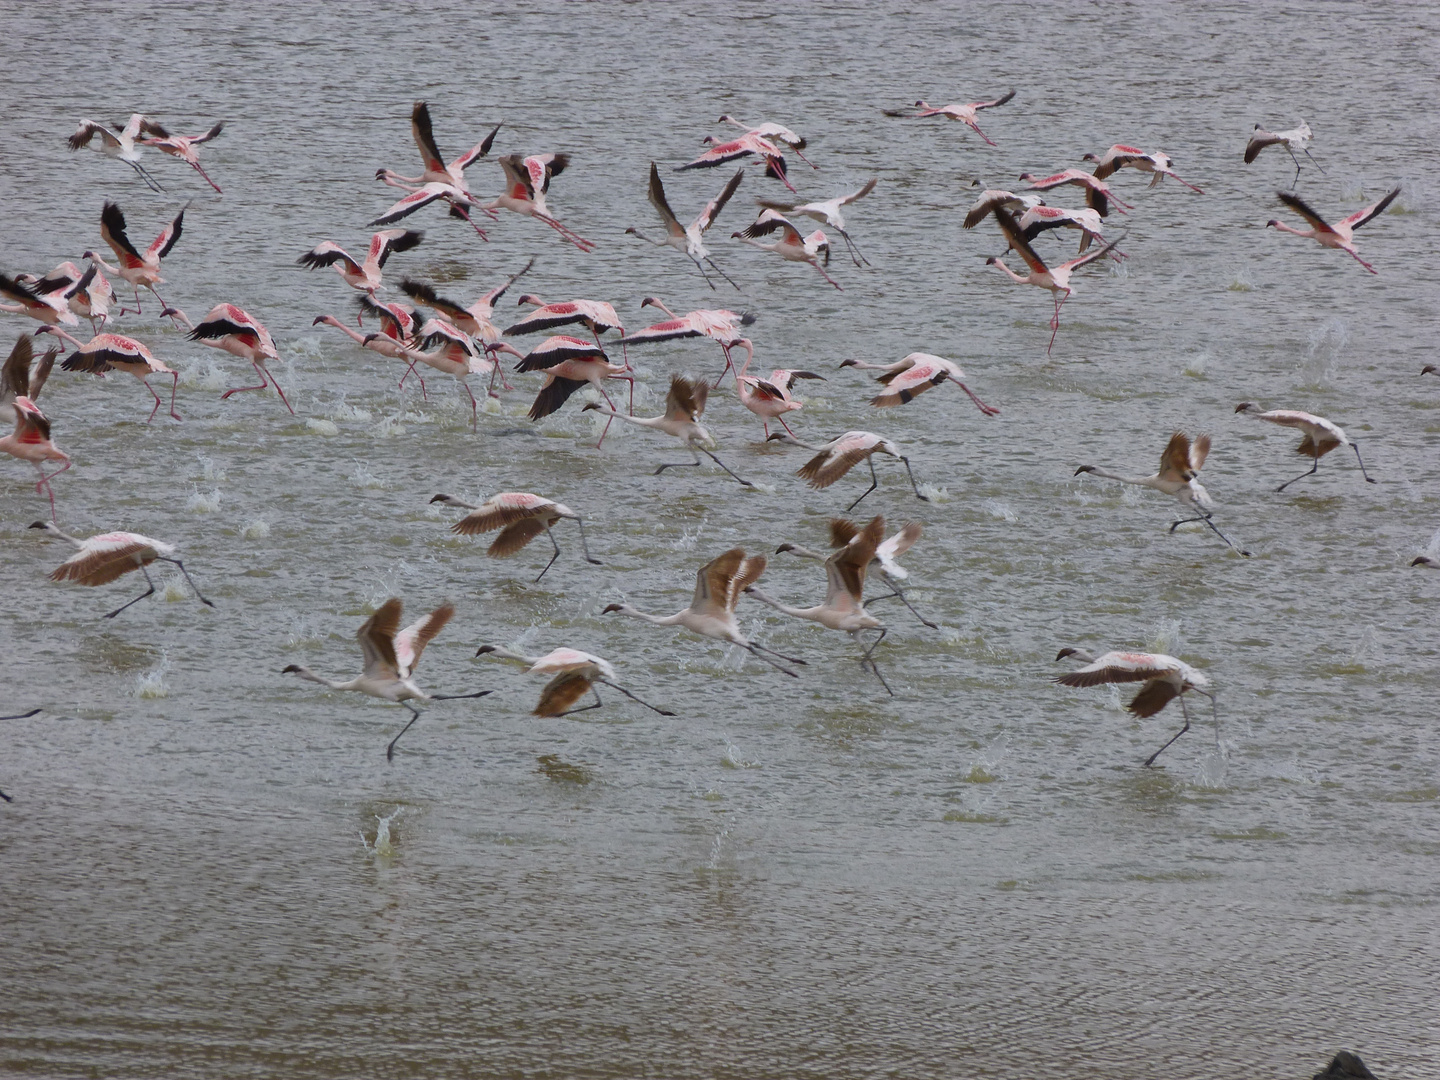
[(1054, 278), (135, 268), (45, 300), (30, 441), (569, 363), (834, 459), (748, 144), (770, 398), (1321, 436), (527, 181), (119, 144), (87, 293), (718, 585), (363, 276), (521, 517), (1098, 195), (1296, 138), (843, 608), (827, 212), (475, 320), (18, 380), (775, 133), (451, 350), (101, 559), (1131, 157), (235, 331), (991, 198), (595, 315), (105, 352), (438, 180), (1341, 234), (843, 532), (1040, 219), (1180, 465), (391, 655), (684, 405), (576, 674), (1165, 679), (912, 375), (183, 147), (689, 239), (719, 325), (966, 114), (791, 246)]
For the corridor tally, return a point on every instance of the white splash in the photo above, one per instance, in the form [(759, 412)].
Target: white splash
[(203, 503), (258, 529), (322, 427), (935, 494), (1165, 636), (383, 846), (152, 683), (1000, 510)]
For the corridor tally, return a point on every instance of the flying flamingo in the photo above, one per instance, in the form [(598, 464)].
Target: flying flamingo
[(689, 239), (87, 293), (719, 325), (684, 404), (106, 351), (837, 457), (527, 182), (30, 441), (1056, 278), (844, 606), (135, 268), (445, 181), (1098, 195), (912, 375), (1341, 234), (770, 398), (991, 198), (775, 133), (1180, 465), (118, 144), (237, 332), (420, 197), (595, 315), (1040, 219), (451, 350), (1321, 436), (16, 378), (391, 655), (1296, 138), (1130, 157), (569, 363), (1165, 678), (43, 300), (791, 246), (966, 114), (718, 585), (101, 559), (366, 276), (475, 320), (520, 517), (575, 674), (750, 143), (183, 147), (844, 531), (828, 213)]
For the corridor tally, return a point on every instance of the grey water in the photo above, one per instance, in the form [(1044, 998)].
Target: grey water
[(209, 869)]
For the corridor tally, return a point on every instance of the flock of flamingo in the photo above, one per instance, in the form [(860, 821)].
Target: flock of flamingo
[(467, 340)]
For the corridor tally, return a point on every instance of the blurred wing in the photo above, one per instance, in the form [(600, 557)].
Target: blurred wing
[(714, 206), (411, 641), (377, 640)]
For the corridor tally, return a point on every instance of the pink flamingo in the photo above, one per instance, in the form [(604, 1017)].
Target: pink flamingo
[(451, 351), (837, 457), (1341, 234), (101, 559), (718, 324), (966, 114), (16, 378), (237, 332), (791, 246), (527, 182), (569, 363), (183, 147), (1132, 157), (595, 315), (912, 375), (684, 405), (772, 133), (90, 296), (1097, 193), (437, 172), (106, 351), (689, 239), (520, 516), (135, 268), (750, 143), (1321, 436), (30, 441), (769, 398), (827, 212), (363, 276), (1040, 219), (118, 144), (44, 300), (475, 320)]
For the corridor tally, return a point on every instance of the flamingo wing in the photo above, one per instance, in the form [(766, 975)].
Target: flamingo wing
[(489, 300), (714, 206), (846, 200), (1153, 697), (657, 198), (425, 138), (168, 238), (422, 197), (768, 222), (104, 558), (517, 177), (992, 104), (686, 399), (1294, 202), (410, 642), (112, 230), (712, 582), (1175, 459), (327, 254), (377, 640), (749, 573), (385, 243), (15, 376), (1090, 256), (1374, 210), (1016, 235), (476, 152)]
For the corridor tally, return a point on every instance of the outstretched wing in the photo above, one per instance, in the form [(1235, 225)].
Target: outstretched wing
[(425, 138), (1360, 217), (327, 254), (1175, 459), (686, 399), (411, 641), (768, 222), (657, 198), (377, 640), (112, 230), (714, 206), (1294, 202), (385, 243), (712, 582), (1010, 226), (168, 238), (15, 376), (869, 187), (476, 152)]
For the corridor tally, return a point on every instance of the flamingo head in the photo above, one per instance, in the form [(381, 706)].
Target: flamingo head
[(289, 668), (371, 337), (1084, 468), (484, 649), (442, 498), (611, 607), (1272, 224), (849, 363), (993, 260), (1430, 369), (1247, 406)]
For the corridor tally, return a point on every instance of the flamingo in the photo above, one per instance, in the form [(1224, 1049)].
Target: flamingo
[(912, 375), (966, 114), (101, 559), (366, 276), (1165, 678), (775, 133), (106, 351), (391, 656), (718, 585), (1321, 436), (1180, 465), (118, 144), (1296, 138), (475, 319), (1428, 561), (991, 198), (719, 325), (520, 517), (595, 315), (1054, 278), (1098, 195), (1040, 219), (828, 213), (449, 178), (135, 268), (791, 246), (684, 404), (569, 363), (183, 147), (30, 441), (844, 607), (527, 182), (834, 459), (770, 398), (750, 143), (452, 351), (419, 197), (844, 531), (235, 331), (575, 674), (689, 238), (44, 300), (16, 378), (1130, 157), (87, 293), (1341, 234)]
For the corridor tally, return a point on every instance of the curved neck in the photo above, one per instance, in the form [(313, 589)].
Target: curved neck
[(331, 320), (506, 654), (54, 530), (62, 334), (799, 613), (806, 553)]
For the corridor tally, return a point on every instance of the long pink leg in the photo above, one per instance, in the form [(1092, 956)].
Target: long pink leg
[(155, 396), (612, 407), (729, 367), (1363, 263), (44, 484), (474, 419), (462, 212), (174, 385), (196, 166), (986, 409), (976, 129), (1055, 323), (827, 277), (265, 374)]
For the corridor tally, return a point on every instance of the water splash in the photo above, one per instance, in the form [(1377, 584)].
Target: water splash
[(733, 759), (1002, 511), (203, 503), (151, 684), (363, 477), (259, 529), (322, 427), (1327, 343), (383, 846), (209, 470), (1164, 636), (935, 494), (1241, 281)]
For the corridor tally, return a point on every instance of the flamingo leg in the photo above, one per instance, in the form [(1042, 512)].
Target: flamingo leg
[(551, 563), (729, 367), (914, 486), (854, 249), (712, 457), (196, 166), (1363, 263), (1213, 528), (155, 396), (678, 464), (868, 660), (461, 212), (1312, 161), (390, 750), (1151, 759), (584, 546), (585, 708), (44, 484), (754, 651), (632, 697), (1314, 468), (149, 180), (721, 272), (188, 578), (816, 263), (897, 594), (1356, 447), (474, 418), (976, 128), (986, 409), (703, 274), (874, 483), (174, 385), (137, 599)]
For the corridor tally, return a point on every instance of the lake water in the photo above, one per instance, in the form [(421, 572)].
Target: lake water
[(789, 878)]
